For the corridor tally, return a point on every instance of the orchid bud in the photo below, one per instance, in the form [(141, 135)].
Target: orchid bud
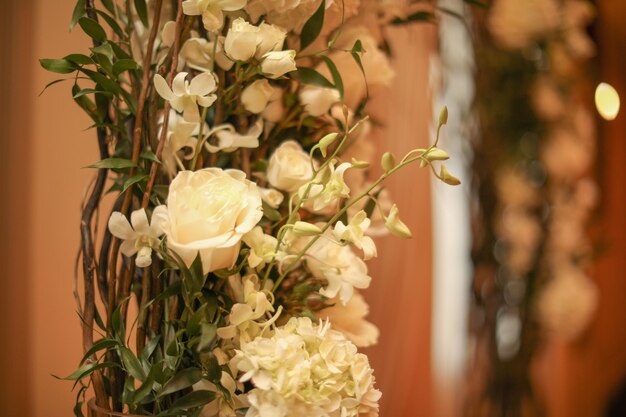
[(306, 229), (388, 162), (395, 225), (326, 141), (443, 116), (447, 177)]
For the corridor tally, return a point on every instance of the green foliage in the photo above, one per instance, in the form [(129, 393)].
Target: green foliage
[(142, 11), (310, 76), (113, 163), (313, 27)]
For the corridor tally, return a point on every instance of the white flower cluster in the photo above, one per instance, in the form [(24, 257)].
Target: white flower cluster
[(306, 370)]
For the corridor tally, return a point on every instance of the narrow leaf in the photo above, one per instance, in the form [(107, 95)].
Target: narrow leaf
[(142, 12), (310, 76), (193, 399), (134, 180), (112, 24), (132, 364), (313, 26), (113, 163), (183, 379), (79, 11), (124, 65), (99, 345), (92, 28), (60, 66), (338, 81)]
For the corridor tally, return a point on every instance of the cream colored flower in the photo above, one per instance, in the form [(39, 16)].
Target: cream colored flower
[(212, 11), (354, 233), (350, 320), (180, 134), (278, 63), (256, 96), (339, 265), (395, 225), (208, 212), (516, 24), (197, 53), (270, 38), (275, 109), (318, 100), (241, 40), (568, 303), (222, 406), (140, 238), (228, 140), (262, 247), (289, 167), (184, 96), (273, 198), (327, 189), (288, 14), (304, 369)]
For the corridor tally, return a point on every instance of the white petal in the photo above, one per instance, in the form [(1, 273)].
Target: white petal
[(120, 227), (179, 87), (162, 88), (231, 5), (203, 84), (128, 248), (139, 220), (190, 111)]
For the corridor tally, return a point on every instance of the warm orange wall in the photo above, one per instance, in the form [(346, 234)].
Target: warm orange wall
[(59, 147)]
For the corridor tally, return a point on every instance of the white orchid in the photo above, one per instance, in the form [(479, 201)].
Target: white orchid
[(140, 238), (354, 233), (229, 140), (327, 189), (185, 96), (395, 225), (262, 247), (180, 134), (212, 11)]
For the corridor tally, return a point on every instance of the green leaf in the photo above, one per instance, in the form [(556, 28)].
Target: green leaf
[(150, 156), (313, 26), (109, 5), (113, 163), (99, 345), (85, 103), (60, 66), (50, 84), (79, 59), (419, 16), (79, 11), (357, 49), (150, 347), (118, 325), (145, 388), (131, 364), (193, 399), (105, 50), (270, 212), (124, 65), (310, 76), (134, 180), (183, 379), (119, 52), (92, 28), (208, 333), (88, 369), (86, 91), (112, 24), (214, 370), (142, 12), (335, 74)]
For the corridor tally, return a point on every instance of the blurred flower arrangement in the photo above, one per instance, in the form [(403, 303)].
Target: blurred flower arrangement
[(225, 129), (533, 164)]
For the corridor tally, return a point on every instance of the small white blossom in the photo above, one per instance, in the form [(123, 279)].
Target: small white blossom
[(318, 100), (271, 197), (278, 63), (197, 53), (185, 96), (354, 233), (212, 11), (229, 140), (256, 96), (141, 237), (262, 247), (327, 189)]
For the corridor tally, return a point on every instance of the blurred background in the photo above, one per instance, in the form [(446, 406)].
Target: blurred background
[(510, 299)]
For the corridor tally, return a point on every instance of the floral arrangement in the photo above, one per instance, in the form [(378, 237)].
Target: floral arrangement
[(534, 170), (242, 221)]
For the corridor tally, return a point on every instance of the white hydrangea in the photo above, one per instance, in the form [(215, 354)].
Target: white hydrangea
[(304, 369)]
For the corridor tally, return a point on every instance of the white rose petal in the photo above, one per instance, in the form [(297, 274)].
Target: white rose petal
[(208, 212), (256, 96), (278, 63), (289, 167)]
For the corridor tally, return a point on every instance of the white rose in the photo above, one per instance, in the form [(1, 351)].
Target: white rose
[(270, 38), (256, 96), (318, 100), (275, 109), (241, 41), (289, 167), (208, 212), (277, 63)]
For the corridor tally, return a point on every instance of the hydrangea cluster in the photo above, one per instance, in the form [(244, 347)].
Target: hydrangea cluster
[(306, 369)]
